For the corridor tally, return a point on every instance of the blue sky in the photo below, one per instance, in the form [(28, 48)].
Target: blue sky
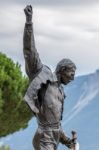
[(66, 28)]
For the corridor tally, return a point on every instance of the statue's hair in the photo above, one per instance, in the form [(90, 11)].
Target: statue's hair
[(64, 63)]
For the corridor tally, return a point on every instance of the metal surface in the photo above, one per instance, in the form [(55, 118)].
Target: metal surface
[(45, 94)]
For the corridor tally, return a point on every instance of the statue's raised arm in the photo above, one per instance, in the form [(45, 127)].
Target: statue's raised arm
[(32, 61)]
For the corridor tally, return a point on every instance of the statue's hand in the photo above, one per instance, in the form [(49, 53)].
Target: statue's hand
[(28, 12), (70, 143)]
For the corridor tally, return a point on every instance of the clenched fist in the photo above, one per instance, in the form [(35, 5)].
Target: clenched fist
[(28, 12)]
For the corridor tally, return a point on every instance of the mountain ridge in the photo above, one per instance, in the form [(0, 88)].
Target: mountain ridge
[(80, 114)]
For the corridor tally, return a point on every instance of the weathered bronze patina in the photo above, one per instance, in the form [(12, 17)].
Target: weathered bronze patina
[(45, 94)]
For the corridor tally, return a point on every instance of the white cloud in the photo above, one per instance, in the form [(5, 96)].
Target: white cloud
[(51, 2), (65, 31)]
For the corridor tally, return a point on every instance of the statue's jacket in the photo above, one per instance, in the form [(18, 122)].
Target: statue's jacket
[(45, 93)]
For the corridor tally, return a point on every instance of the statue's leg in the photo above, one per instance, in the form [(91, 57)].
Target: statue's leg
[(47, 146), (47, 140), (41, 144), (44, 141)]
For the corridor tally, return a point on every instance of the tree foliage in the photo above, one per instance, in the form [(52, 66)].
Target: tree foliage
[(14, 113)]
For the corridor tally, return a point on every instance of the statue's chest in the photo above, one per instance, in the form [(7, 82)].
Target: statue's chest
[(54, 96)]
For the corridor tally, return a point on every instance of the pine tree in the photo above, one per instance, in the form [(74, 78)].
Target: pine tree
[(14, 113)]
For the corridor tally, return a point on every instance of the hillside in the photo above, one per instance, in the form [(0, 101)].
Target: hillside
[(80, 114)]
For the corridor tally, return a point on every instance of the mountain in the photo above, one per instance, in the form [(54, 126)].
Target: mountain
[(81, 109)]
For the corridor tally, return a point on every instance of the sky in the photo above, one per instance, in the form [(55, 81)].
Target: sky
[(62, 28)]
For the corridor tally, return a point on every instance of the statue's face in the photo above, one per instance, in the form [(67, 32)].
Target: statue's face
[(67, 74)]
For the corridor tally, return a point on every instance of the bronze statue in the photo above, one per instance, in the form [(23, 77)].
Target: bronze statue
[(45, 95)]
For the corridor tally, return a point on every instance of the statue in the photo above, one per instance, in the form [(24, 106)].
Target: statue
[(45, 95)]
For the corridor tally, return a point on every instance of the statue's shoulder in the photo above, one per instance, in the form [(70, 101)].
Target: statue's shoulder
[(43, 77), (45, 74), (46, 71)]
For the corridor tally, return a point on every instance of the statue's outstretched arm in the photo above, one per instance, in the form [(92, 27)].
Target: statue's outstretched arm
[(32, 61)]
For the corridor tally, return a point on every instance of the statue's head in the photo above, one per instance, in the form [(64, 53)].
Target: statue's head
[(65, 71)]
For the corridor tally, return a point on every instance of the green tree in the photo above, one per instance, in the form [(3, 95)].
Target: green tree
[(14, 113)]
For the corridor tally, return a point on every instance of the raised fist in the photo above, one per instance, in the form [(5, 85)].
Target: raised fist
[(28, 12)]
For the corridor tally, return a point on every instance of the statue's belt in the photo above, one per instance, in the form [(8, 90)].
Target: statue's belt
[(49, 126)]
